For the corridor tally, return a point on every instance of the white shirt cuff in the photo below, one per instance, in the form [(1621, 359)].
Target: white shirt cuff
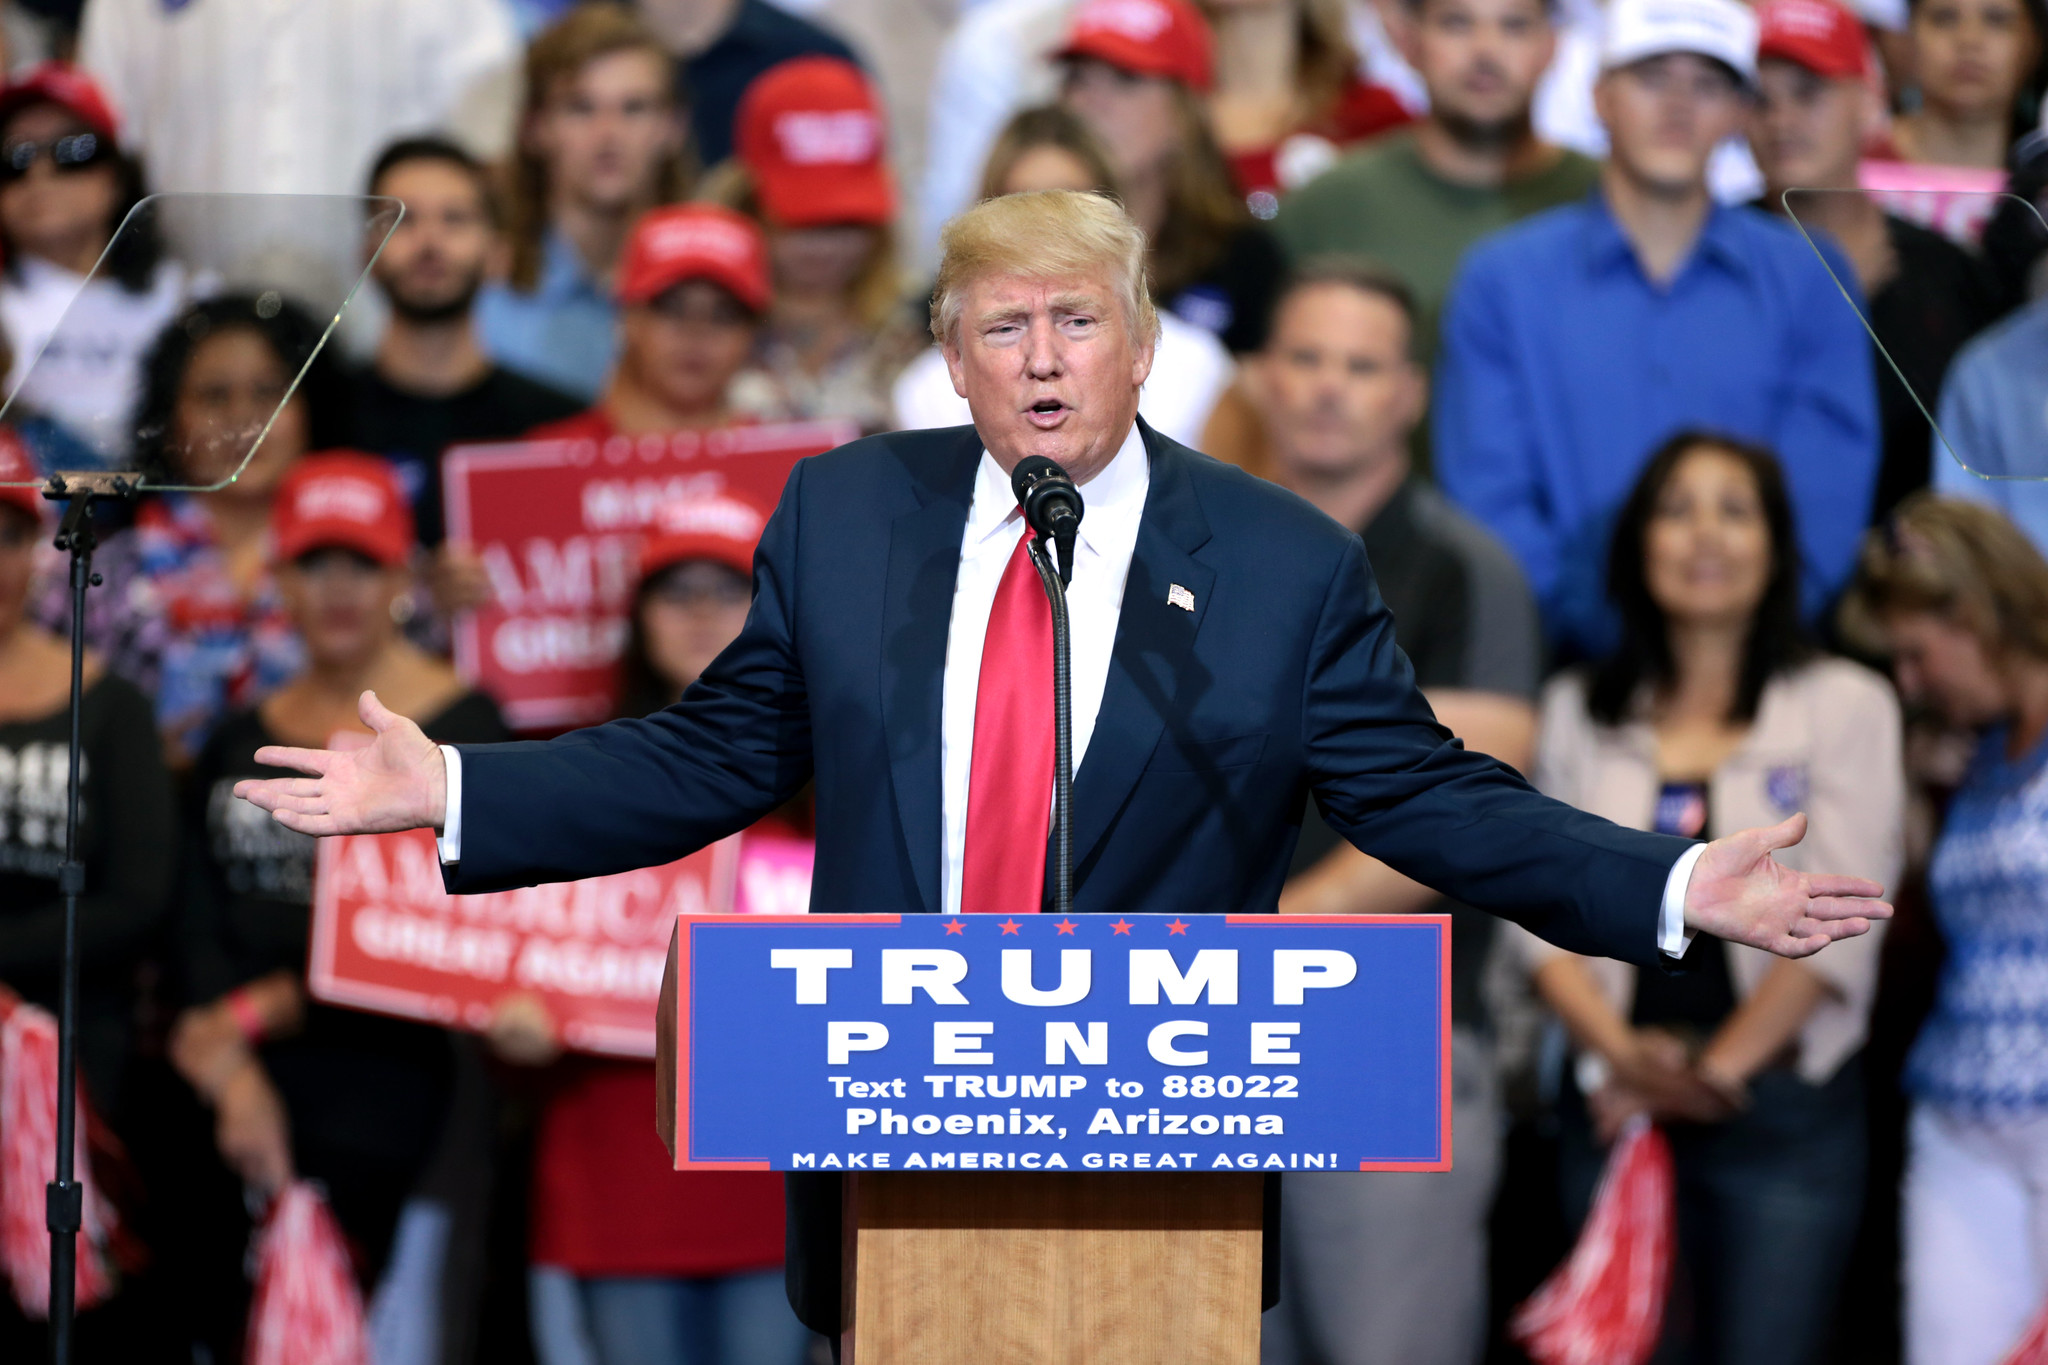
[(1673, 938), (450, 840)]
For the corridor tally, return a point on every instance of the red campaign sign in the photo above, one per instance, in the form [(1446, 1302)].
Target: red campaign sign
[(558, 526), (388, 939)]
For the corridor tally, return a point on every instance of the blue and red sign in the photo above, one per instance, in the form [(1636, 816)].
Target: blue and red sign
[(1140, 1042)]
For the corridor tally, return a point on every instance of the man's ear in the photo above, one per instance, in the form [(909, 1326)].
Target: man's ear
[(1141, 361), (498, 260), (1418, 395), (956, 364), (1255, 379)]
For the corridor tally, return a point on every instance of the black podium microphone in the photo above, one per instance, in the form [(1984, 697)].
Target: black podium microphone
[(1052, 509), (1052, 506)]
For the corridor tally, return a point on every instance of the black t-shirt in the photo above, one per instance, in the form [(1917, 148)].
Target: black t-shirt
[(1464, 616), (365, 1093), (1234, 297), (414, 430), (127, 841), (711, 83), (1941, 297), (1691, 1003)]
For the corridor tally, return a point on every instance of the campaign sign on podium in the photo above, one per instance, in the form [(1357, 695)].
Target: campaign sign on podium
[(1090, 1043)]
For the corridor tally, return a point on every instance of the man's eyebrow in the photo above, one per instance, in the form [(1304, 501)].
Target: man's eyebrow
[(1075, 303), (995, 315)]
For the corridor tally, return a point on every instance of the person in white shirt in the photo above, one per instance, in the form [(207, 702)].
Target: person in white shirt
[(298, 97), (65, 186)]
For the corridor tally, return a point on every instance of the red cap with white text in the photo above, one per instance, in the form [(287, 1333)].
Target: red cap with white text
[(1819, 35), (342, 499), (719, 528), (694, 242), (812, 137), (1167, 38)]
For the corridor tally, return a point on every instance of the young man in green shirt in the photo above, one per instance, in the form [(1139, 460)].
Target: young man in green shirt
[(1415, 200)]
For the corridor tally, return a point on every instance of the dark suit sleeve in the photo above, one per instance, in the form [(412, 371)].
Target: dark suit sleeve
[(1395, 783), (639, 793)]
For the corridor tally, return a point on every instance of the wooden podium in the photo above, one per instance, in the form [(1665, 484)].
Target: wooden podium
[(1052, 1268), (1041, 1268)]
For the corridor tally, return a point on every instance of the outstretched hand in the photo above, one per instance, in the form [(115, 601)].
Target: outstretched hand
[(397, 781), (1739, 892)]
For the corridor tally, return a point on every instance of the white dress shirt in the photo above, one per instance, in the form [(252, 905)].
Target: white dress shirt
[(1115, 504)]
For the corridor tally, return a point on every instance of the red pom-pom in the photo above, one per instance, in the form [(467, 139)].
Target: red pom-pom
[(307, 1309), (1605, 1304), (28, 1162)]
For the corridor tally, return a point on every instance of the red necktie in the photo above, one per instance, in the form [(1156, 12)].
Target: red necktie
[(1009, 789)]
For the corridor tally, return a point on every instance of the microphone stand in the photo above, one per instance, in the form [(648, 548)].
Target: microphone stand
[(1062, 727), (64, 1197)]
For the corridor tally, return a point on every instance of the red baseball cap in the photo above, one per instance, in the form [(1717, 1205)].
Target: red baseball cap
[(694, 242), (1819, 35), (68, 87), (812, 136), (345, 499), (16, 466), (722, 529), (1167, 38)]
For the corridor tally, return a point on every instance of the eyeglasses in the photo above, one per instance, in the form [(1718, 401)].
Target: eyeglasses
[(73, 152)]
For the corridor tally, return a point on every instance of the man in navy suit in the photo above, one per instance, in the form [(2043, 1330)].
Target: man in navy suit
[(1231, 659)]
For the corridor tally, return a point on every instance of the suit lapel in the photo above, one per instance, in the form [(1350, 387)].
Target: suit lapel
[(1149, 668), (917, 609)]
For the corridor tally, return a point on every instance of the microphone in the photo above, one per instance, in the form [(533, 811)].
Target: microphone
[(1052, 506)]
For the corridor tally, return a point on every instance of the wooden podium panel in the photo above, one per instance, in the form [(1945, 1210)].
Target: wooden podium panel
[(1140, 1268)]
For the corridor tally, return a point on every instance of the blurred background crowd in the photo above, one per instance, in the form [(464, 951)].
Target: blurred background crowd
[(1614, 327)]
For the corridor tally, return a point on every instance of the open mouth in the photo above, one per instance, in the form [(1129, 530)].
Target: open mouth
[(1046, 412)]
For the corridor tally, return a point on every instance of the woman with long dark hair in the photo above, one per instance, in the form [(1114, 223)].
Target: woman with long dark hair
[(1977, 66), (192, 615), (1717, 714)]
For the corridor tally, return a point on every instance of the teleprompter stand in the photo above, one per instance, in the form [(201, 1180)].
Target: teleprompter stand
[(65, 1196)]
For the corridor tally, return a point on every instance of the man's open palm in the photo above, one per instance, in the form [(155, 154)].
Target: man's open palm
[(1739, 892), (397, 781)]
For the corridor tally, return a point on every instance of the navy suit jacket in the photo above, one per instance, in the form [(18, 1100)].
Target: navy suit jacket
[(1216, 725)]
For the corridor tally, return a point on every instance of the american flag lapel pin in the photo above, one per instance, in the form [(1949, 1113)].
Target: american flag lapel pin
[(1177, 596)]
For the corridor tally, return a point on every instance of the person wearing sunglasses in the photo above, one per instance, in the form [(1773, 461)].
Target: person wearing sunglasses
[(65, 187)]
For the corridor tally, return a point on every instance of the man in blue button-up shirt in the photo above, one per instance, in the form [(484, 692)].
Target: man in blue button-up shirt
[(1577, 341)]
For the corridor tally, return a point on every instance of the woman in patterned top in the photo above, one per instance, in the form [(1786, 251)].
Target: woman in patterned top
[(1959, 598), (190, 613)]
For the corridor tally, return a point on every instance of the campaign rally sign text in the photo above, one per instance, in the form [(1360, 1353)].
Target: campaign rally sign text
[(1138, 1042), (387, 938), (558, 526)]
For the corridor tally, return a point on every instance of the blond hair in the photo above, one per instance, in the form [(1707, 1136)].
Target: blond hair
[(1958, 560), (1040, 235)]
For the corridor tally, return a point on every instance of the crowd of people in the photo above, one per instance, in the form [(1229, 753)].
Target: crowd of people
[(1657, 350)]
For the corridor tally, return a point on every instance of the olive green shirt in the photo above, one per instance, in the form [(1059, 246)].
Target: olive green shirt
[(1384, 203)]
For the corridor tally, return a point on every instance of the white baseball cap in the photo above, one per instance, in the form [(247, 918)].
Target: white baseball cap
[(1724, 30)]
